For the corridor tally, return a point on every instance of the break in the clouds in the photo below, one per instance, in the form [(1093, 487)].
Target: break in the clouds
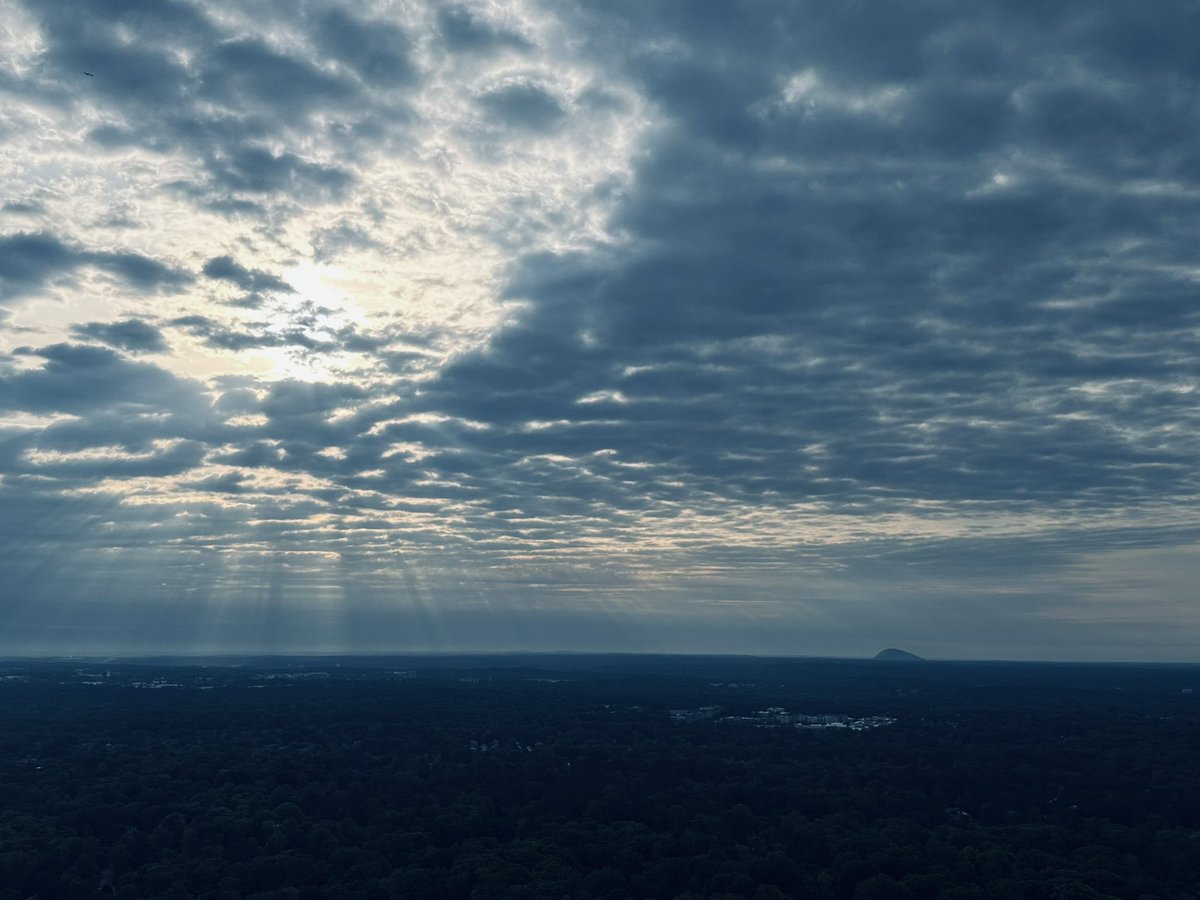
[(778, 327)]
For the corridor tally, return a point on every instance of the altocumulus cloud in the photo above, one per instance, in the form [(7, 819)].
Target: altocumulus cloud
[(131, 334), (760, 327), (27, 261)]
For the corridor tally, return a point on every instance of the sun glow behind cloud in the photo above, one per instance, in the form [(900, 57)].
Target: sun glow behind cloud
[(394, 269)]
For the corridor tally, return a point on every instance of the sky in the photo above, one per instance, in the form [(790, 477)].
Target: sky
[(797, 327)]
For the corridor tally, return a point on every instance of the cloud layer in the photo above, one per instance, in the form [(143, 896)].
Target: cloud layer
[(762, 328)]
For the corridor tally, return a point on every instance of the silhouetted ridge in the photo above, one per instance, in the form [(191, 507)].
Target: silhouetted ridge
[(891, 654)]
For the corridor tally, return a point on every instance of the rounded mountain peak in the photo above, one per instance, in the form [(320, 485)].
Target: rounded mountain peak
[(891, 654)]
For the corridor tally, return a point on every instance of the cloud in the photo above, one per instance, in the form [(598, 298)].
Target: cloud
[(259, 170), (225, 483), (139, 271), (22, 207), (853, 296), (523, 104), (131, 334), (79, 378), (28, 261), (167, 459), (176, 80), (377, 50), (330, 243), (306, 329), (465, 30), (226, 268), (245, 72)]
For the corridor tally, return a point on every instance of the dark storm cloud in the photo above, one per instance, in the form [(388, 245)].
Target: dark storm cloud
[(130, 334), (29, 261)]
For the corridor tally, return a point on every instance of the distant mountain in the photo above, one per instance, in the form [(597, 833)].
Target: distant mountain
[(891, 654)]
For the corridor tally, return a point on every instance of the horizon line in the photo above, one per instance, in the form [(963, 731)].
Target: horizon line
[(916, 659)]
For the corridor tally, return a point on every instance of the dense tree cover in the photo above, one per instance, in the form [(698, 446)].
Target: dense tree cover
[(570, 781)]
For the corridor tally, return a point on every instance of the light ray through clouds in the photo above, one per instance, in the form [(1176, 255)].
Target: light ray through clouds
[(777, 327)]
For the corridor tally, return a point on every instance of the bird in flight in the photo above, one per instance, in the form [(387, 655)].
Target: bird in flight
[(89, 74)]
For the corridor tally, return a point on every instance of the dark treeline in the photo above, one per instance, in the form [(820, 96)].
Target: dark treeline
[(565, 778)]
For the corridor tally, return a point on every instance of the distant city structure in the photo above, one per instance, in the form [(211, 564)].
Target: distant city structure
[(778, 717), (695, 715)]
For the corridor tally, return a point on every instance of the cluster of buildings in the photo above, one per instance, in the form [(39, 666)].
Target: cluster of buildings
[(777, 717), (695, 715), (495, 746)]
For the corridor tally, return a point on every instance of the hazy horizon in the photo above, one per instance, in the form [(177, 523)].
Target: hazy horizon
[(316, 657)]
